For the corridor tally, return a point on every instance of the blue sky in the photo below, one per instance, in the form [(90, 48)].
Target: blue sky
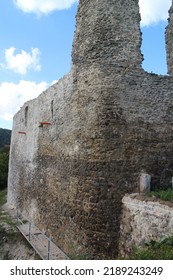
[(36, 41)]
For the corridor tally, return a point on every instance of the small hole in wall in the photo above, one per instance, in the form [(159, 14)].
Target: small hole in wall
[(26, 115)]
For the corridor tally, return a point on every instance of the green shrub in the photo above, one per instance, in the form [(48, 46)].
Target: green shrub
[(3, 197), (166, 195), (4, 158), (5, 137), (155, 250)]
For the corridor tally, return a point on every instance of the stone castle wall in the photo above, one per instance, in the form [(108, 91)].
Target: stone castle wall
[(143, 220), (169, 42), (109, 121)]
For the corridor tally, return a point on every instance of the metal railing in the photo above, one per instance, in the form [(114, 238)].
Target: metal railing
[(43, 245)]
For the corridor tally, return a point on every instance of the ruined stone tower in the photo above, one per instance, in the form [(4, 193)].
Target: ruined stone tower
[(108, 121), (103, 36), (169, 42)]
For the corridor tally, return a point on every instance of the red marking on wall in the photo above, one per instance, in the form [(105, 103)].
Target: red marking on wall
[(45, 123), (21, 132)]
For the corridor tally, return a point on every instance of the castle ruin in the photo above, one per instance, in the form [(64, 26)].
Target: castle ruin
[(80, 146)]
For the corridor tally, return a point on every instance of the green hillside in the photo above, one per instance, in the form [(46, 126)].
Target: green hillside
[(5, 137)]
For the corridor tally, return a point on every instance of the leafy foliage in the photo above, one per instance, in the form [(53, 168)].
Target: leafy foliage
[(5, 137), (166, 195), (4, 158), (155, 250), (3, 198)]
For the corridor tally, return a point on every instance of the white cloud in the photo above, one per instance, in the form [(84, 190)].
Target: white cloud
[(153, 11), (13, 96), (22, 62), (54, 82), (43, 6)]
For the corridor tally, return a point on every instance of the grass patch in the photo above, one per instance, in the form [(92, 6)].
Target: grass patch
[(9, 235), (4, 217), (154, 250), (166, 195), (78, 256), (3, 197)]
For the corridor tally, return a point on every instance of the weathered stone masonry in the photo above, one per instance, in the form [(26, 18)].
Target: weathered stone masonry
[(110, 120), (144, 219)]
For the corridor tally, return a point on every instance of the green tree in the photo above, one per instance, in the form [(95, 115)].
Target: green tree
[(5, 137), (4, 158)]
